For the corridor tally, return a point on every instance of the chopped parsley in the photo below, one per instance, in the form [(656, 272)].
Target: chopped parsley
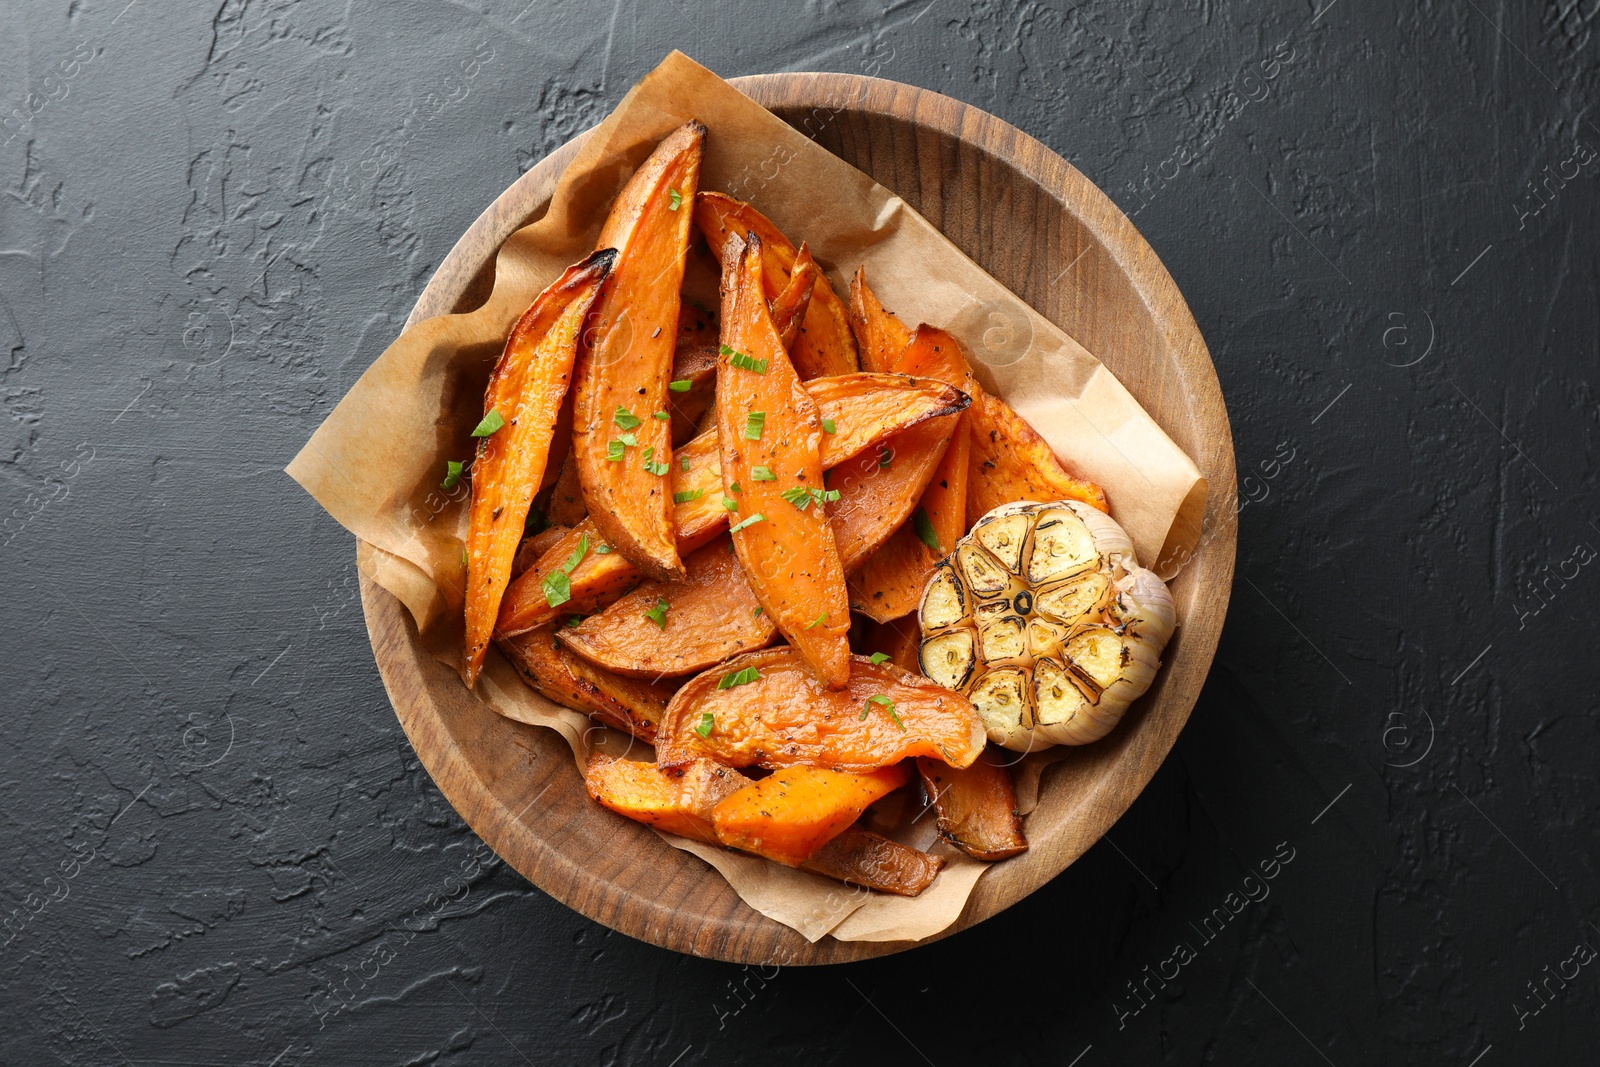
[(744, 362), (674, 199), (658, 614), (885, 703), (656, 468), (818, 621), (751, 521), (828, 426), (798, 495), (707, 721), (683, 464), (879, 657), (491, 422), (763, 474), (625, 418), (753, 424), (688, 495), (730, 503), (557, 585), (682, 385), (733, 678), (452, 474), (662, 415), (924, 528), (614, 450)]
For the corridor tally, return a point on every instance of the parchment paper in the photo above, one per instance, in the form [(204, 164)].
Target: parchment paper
[(377, 461)]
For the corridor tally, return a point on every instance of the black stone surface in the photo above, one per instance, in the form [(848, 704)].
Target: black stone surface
[(216, 846)]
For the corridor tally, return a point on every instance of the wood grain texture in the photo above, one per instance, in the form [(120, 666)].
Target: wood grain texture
[(982, 183)]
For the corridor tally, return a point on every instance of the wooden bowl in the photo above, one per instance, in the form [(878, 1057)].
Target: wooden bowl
[(1025, 215)]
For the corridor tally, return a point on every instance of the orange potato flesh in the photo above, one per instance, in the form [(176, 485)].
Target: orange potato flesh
[(709, 616), (532, 548), (1009, 460), (790, 814), (713, 614), (861, 857), (825, 345), (628, 364), (885, 483), (677, 804), (697, 365), (785, 717), (899, 639), (889, 585), (790, 305), (880, 336), (526, 390), (787, 551), (864, 408), (625, 703), (977, 807)]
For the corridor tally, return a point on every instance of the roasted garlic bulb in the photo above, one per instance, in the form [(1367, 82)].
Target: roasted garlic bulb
[(1043, 617)]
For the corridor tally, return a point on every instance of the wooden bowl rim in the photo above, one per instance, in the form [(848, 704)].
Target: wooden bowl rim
[(604, 901)]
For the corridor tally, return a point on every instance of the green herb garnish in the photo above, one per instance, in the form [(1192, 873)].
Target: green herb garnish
[(887, 705), (688, 495), (733, 678), (674, 198), (751, 521), (557, 586), (658, 614), (828, 426), (924, 529), (879, 657), (818, 621), (491, 422), (662, 415), (452, 474), (753, 424), (744, 362), (885, 456), (763, 474), (614, 450), (682, 385), (625, 418), (798, 495), (707, 721), (730, 503)]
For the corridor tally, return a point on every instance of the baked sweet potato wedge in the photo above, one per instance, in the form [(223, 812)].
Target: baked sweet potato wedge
[(625, 703), (1009, 461), (622, 375), (880, 336), (863, 409), (675, 803), (771, 446), (521, 406), (665, 629), (825, 345), (694, 383), (535, 546), (861, 857), (899, 639), (890, 583), (714, 614), (566, 506), (768, 709), (791, 813), (884, 483), (976, 806), (794, 299)]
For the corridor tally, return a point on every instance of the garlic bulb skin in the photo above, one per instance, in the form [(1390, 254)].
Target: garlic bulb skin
[(1044, 619)]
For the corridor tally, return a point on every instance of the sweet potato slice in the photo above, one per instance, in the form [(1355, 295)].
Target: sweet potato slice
[(977, 807), (771, 444), (825, 345), (714, 614), (694, 383), (880, 336), (861, 857), (768, 709), (622, 375), (864, 410), (899, 639), (890, 583), (566, 497), (790, 305), (662, 629), (790, 814), (532, 548), (625, 703), (521, 406), (1009, 460), (677, 804), (884, 483)]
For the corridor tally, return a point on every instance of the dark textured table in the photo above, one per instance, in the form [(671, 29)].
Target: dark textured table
[(1373, 843)]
